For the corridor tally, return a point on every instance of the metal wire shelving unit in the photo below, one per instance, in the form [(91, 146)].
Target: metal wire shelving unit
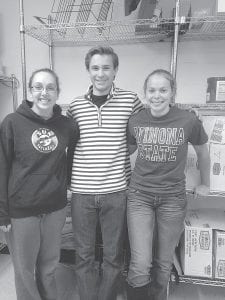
[(59, 31), (13, 83), (214, 109), (198, 280), (173, 30), (207, 28), (114, 32)]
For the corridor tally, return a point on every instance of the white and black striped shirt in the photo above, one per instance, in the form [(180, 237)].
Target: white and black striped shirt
[(101, 161)]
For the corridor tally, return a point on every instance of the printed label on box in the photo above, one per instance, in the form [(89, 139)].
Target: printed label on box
[(204, 240), (217, 172), (215, 128), (208, 270), (221, 268), (217, 133), (219, 254), (220, 91)]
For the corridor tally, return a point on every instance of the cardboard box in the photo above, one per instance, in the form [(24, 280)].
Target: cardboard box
[(200, 10), (196, 246), (217, 168), (196, 251), (219, 254), (215, 128), (191, 171), (220, 7), (216, 85)]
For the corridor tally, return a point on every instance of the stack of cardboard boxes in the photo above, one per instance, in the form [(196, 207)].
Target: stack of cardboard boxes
[(202, 246), (215, 128)]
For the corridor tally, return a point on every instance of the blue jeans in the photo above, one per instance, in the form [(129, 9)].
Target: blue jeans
[(155, 223), (110, 211), (34, 244)]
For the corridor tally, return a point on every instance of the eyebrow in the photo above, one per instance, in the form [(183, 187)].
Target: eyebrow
[(108, 65), (40, 83)]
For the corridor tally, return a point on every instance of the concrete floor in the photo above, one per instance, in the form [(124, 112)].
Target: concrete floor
[(67, 289)]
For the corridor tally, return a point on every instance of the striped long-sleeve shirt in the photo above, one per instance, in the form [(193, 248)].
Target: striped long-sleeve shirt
[(101, 161)]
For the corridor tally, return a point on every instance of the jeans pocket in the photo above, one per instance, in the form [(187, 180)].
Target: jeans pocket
[(181, 200), (132, 190)]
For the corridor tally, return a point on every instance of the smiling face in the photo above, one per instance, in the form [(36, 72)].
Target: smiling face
[(102, 73), (159, 94), (44, 93)]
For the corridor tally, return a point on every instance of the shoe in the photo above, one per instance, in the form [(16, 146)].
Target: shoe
[(137, 293)]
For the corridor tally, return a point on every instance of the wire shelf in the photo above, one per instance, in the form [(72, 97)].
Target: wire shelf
[(207, 28), (208, 108), (117, 32), (198, 280), (84, 33), (9, 81), (211, 193)]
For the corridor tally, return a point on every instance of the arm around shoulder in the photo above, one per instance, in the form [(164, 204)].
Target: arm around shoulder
[(131, 141)]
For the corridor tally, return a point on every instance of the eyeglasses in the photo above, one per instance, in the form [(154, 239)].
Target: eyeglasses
[(48, 89)]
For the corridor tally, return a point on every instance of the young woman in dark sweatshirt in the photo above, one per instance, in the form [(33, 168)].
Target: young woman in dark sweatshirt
[(35, 146)]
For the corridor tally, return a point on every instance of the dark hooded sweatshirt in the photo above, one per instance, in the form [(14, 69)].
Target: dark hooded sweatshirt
[(33, 161)]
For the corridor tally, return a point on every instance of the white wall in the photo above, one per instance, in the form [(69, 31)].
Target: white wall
[(10, 55), (196, 60), (135, 62)]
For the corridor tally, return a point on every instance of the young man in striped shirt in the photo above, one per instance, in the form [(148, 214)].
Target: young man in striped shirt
[(100, 172)]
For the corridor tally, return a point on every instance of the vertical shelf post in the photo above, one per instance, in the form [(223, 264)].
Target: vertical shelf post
[(175, 40), (50, 47), (22, 45), (14, 93)]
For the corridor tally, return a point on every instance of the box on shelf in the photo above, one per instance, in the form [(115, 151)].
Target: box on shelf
[(219, 254), (220, 7), (196, 246), (215, 128), (200, 10), (192, 172), (196, 251), (216, 89), (217, 168)]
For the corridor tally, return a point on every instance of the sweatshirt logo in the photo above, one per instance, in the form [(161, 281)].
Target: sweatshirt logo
[(44, 140)]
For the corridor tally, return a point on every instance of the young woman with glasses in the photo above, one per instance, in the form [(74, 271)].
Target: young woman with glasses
[(34, 142)]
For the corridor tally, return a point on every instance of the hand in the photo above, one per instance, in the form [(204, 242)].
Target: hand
[(196, 112), (5, 228), (201, 190), (154, 18)]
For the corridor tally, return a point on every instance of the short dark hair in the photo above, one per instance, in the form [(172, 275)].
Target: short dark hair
[(101, 50), (166, 74), (46, 70)]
